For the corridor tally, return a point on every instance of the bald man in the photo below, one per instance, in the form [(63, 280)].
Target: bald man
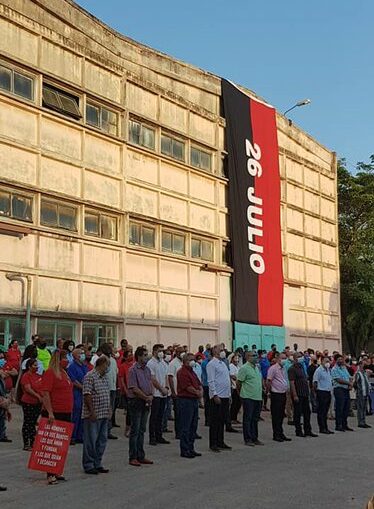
[(77, 371)]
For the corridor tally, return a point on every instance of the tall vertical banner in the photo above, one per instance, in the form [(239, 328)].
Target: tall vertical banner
[(254, 208)]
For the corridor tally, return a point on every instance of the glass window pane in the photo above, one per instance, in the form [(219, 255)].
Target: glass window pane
[(89, 335), (17, 330), (205, 161), (21, 207), (4, 204), (195, 248), (91, 224), (134, 234), (70, 105), (166, 145), (148, 237), (108, 227), (106, 333), (48, 213), (207, 250), (66, 331), (92, 115), (47, 331), (195, 157), (109, 121), (134, 132), (148, 137), (67, 217), (2, 331), (178, 150), (178, 244), (5, 78), (166, 241), (23, 86)]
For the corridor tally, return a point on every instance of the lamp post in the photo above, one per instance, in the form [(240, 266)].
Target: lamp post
[(304, 102)]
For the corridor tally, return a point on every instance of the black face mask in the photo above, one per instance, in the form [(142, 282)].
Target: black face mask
[(42, 345)]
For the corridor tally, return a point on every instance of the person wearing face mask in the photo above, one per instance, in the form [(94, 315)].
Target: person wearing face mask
[(57, 393), (31, 353), (68, 346), (322, 382), (77, 370), (31, 402), (299, 387), (313, 366), (362, 387), (13, 357), (159, 371), (264, 367), (204, 381), (189, 393), (168, 405), (235, 398), (173, 368), (277, 386), (219, 393), (250, 385), (342, 384), (44, 355), (5, 401), (123, 372)]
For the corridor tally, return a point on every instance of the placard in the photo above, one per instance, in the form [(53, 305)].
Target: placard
[(51, 446)]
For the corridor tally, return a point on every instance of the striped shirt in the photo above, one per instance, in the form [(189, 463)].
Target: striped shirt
[(296, 374)]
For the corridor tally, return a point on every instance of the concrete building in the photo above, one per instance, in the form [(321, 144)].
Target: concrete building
[(113, 194)]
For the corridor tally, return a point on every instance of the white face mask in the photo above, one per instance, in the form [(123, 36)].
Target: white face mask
[(70, 348), (160, 355), (182, 355), (222, 354), (116, 355), (168, 357), (192, 364), (327, 365)]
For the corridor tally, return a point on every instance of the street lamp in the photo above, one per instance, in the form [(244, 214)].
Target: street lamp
[(304, 102)]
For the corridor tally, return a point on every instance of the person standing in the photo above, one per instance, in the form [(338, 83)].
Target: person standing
[(31, 353), (277, 386), (13, 357), (219, 394), (77, 370), (362, 387), (127, 362), (299, 386), (323, 386), (249, 384), (342, 384), (44, 355), (96, 412), (140, 396), (189, 392), (311, 369), (159, 371), (173, 368), (236, 402), (264, 363), (31, 402), (57, 393), (204, 381), (5, 414)]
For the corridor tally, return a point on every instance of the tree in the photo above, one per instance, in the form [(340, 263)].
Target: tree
[(356, 248)]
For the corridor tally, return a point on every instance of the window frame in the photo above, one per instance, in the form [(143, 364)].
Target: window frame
[(98, 338), (173, 234), (56, 324), (25, 74), (100, 226), (101, 107), (141, 227), (143, 125), (201, 257), (59, 204), (173, 139), (21, 194), (60, 91), (200, 150)]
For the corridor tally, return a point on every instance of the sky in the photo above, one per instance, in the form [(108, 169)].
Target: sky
[(284, 51)]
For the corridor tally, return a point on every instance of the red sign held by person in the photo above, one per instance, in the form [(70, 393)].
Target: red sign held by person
[(51, 446)]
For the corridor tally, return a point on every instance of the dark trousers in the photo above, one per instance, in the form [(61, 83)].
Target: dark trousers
[(277, 408), (188, 409), (76, 416), (95, 437), (2, 423), (167, 414), (236, 404), (342, 407), (361, 401), (59, 417), (323, 405), (176, 418), (138, 411), (206, 404), (30, 418), (113, 396), (251, 416), (313, 400), (155, 420), (302, 408), (217, 420), (115, 406)]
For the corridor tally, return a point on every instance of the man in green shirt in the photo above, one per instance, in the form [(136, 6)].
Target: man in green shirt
[(250, 385)]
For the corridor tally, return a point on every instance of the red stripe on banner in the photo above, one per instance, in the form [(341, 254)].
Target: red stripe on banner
[(267, 187)]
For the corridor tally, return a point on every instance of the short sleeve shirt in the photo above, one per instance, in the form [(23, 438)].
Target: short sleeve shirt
[(60, 391), (158, 369), (173, 368), (277, 377), (98, 387), (34, 380), (251, 380)]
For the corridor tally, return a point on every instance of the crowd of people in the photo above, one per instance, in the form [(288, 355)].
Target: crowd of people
[(75, 384)]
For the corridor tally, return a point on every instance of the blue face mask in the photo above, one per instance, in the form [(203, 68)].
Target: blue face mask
[(82, 357), (2, 363)]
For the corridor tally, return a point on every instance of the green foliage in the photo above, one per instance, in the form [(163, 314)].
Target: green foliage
[(356, 247)]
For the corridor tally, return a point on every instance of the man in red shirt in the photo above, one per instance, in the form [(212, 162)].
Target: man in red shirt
[(189, 390)]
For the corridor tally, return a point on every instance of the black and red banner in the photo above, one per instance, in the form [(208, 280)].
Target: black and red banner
[(254, 208)]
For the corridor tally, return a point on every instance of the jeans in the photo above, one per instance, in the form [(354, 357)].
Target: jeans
[(251, 416), (277, 408), (76, 416), (302, 408), (361, 408), (138, 411), (217, 420), (342, 406), (188, 409), (323, 400), (155, 420), (95, 436)]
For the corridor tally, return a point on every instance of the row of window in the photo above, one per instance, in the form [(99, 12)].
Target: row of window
[(58, 214), (94, 333), (102, 118)]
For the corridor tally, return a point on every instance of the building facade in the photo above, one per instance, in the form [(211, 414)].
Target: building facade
[(113, 195)]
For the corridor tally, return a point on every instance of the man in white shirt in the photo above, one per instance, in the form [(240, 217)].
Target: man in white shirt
[(159, 371), (219, 393), (174, 367)]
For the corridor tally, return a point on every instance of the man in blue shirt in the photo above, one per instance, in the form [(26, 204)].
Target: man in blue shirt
[(77, 371), (342, 385), (323, 385), (264, 367), (204, 382)]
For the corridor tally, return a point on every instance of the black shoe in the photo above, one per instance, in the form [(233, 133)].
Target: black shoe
[(188, 455), (231, 430), (177, 437), (162, 441), (198, 437), (324, 432), (311, 434), (367, 426), (286, 439), (330, 432), (278, 439), (340, 429), (291, 423), (258, 442), (112, 437), (225, 447), (92, 471), (196, 454), (115, 425), (215, 449), (152, 442), (300, 434), (347, 428), (249, 443), (6, 440), (103, 470), (3, 488)]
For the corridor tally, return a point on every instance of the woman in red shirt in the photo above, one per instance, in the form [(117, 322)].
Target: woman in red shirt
[(127, 362), (57, 392), (31, 401), (13, 357)]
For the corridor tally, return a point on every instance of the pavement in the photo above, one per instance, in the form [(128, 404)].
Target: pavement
[(328, 472)]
